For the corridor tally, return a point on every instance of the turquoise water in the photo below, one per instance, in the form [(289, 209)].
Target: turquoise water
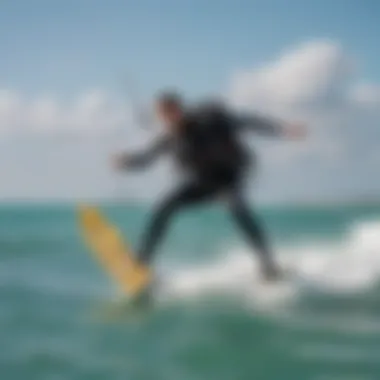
[(212, 319)]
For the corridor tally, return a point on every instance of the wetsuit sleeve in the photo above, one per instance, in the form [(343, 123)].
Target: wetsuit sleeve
[(144, 158), (259, 124)]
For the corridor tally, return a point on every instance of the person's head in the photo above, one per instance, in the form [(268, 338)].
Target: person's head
[(169, 108)]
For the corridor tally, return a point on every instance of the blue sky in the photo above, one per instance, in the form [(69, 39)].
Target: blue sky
[(65, 64), (69, 45)]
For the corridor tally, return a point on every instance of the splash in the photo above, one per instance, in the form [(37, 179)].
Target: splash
[(346, 267)]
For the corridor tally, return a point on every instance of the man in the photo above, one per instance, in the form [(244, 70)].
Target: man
[(206, 146)]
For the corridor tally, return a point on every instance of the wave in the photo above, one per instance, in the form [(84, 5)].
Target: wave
[(346, 267)]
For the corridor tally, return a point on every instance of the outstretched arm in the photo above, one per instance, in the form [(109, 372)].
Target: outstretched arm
[(142, 159), (260, 125), (271, 127)]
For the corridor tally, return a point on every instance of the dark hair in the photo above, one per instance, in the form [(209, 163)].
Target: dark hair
[(170, 98)]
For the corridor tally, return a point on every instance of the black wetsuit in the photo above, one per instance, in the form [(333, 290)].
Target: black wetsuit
[(207, 147)]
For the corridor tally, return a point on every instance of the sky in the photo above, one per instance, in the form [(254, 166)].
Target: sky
[(72, 72)]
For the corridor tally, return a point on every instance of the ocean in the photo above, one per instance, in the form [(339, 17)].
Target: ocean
[(61, 318)]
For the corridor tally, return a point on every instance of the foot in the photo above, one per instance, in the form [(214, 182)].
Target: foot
[(272, 273)]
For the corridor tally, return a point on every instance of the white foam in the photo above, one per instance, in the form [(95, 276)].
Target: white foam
[(350, 266), (234, 275)]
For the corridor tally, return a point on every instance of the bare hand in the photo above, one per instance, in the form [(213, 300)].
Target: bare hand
[(295, 131)]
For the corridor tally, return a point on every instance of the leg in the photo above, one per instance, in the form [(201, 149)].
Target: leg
[(185, 196), (253, 231)]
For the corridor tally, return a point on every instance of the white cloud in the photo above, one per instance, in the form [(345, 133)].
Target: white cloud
[(309, 75), (366, 94), (314, 82), (50, 148), (45, 114), (94, 111), (10, 106)]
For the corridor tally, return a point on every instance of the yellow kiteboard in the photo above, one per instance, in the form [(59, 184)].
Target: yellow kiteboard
[(113, 253)]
